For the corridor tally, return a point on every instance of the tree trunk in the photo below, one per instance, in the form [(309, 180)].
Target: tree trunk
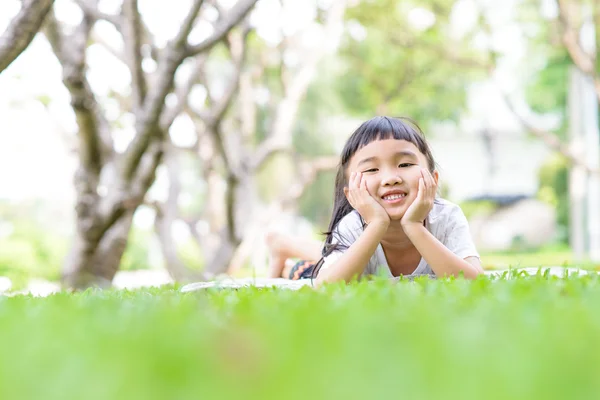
[(111, 185), (219, 262), (177, 269), (166, 214), (92, 263)]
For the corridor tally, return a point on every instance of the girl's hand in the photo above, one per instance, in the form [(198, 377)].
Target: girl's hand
[(422, 205), (359, 197)]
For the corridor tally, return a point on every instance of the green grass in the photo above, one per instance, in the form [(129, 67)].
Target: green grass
[(526, 338)]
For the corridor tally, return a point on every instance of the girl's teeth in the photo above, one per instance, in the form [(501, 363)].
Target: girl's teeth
[(394, 197)]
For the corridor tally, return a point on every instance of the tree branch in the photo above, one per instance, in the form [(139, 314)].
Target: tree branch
[(90, 9), (166, 214), (94, 137), (309, 169), (22, 29), (585, 62), (213, 118), (238, 51), (550, 139), (146, 127), (280, 137), (182, 94), (133, 43), (234, 16), (110, 48), (266, 150)]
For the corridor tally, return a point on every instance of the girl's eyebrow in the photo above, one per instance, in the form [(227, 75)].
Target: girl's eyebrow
[(406, 153), (366, 160)]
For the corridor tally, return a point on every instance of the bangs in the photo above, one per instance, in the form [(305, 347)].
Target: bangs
[(383, 128)]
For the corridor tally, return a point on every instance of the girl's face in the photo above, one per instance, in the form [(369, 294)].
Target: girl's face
[(392, 169)]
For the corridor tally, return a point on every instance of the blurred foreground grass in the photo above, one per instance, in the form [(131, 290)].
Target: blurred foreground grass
[(490, 339)]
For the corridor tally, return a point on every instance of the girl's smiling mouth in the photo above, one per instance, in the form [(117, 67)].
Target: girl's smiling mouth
[(393, 197)]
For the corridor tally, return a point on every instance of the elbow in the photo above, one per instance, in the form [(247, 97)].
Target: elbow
[(329, 276), (473, 272), (322, 279)]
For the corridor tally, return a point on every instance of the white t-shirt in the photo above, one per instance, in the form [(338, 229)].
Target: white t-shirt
[(445, 221)]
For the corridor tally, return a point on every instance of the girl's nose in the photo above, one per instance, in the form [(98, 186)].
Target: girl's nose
[(391, 179)]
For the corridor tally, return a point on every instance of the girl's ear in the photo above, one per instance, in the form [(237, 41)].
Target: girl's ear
[(436, 176), (346, 193)]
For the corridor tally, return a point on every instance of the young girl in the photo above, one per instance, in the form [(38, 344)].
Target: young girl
[(386, 219)]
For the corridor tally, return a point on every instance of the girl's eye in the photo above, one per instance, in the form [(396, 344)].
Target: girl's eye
[(371, 170), (404, 165)]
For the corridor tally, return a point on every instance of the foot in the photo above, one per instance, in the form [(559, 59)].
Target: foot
[(277, 255)]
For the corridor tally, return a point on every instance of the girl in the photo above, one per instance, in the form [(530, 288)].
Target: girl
[(386, 219)]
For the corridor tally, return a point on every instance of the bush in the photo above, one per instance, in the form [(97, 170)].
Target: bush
[(29, 251)]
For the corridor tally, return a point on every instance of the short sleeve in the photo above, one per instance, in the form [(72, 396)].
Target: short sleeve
[(458, 235), (343, 236)]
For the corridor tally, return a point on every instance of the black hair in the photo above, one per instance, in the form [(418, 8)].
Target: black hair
[(377, 128)]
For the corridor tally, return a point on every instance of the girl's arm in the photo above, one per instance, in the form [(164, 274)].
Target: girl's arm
[(441, 260), (352, 263)]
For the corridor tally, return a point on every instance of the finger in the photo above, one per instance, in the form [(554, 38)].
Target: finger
[(425, 178), (363, 186), (358, 181), (422, 189), (429, 183), (356, 184), (426, 182), (433, 184)]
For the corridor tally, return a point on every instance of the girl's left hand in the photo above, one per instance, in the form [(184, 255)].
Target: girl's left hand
[(422, 205)]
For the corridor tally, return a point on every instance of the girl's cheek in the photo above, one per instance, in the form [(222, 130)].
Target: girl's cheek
[(371, 186)]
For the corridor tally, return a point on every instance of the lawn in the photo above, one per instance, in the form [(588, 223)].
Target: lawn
[(525, 338)]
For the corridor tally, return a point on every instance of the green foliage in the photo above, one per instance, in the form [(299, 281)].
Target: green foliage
[(320, 103), (190, 255), (316, 203), (452, 339), (275, 176), (400, 70), (136, 255), (309, 141), (547, 92), (554, 190), (29, 251), (474, 208), (546, 84)]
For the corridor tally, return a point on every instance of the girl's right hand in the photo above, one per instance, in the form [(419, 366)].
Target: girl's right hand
[(361, 200)]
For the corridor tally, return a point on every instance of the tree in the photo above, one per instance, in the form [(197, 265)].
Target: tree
[(567, 42), (22, 29), (402, 59), (244, 138), (110, 185)]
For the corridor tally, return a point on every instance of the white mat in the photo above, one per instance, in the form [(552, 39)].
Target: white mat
[(232, 283)]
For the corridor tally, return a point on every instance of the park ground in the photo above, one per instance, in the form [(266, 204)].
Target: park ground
[(494, 338)]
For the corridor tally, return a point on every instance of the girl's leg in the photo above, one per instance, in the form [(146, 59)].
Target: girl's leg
[(283, 247)]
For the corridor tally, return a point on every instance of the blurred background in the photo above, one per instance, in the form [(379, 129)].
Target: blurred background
[(146, 142)]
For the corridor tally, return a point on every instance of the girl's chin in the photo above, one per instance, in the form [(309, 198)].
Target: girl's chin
[(395, 215)]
